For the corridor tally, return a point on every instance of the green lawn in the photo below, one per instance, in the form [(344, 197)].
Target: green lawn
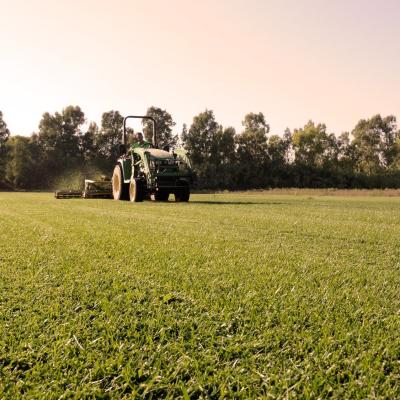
[(229, 296)]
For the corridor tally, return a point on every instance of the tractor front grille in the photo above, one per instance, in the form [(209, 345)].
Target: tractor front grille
[(170, 182)]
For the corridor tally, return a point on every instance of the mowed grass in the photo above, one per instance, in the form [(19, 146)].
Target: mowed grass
[(229, 296)]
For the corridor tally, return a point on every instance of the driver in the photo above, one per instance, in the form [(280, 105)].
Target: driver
[(138, 141)]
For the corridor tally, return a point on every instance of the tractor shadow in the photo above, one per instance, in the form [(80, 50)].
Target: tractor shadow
[(236, 203)]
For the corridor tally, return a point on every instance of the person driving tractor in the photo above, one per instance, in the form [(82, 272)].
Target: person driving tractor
[(138, 141)]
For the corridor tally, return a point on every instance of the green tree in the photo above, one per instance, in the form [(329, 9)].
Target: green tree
[(23, 167), (87, 143), (375, 143), (223, 158), (212, 150), (164, 122), (396, 162), (199, 139), (390, 136), (279, 159), (59, 139), (346, 154), (252, 151), (256, 123), (252, 146), (59, 134), (4, 136), (182, 137), (4, 131), (313, 146), (109, 138), (223, 151), (278, 149)]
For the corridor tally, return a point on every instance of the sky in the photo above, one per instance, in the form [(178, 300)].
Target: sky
[(294, 60)]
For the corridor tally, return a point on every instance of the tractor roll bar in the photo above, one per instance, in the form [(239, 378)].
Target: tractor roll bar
[(141, 117)]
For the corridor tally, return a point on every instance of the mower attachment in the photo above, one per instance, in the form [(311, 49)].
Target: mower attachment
[(93, 190)]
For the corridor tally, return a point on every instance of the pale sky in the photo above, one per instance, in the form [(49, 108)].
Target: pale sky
[(333, 61)]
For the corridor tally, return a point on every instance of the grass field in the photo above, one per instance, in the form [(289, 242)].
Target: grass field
[(229, 296)]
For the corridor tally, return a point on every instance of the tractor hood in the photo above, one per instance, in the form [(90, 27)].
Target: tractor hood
[(160, 154), (155, 154)]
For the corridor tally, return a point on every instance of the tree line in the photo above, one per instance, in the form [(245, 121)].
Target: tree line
[(310, 156)]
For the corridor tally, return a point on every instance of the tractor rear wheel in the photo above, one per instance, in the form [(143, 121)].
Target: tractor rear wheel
[(162, 195), (136, 191), (119, 188), (182, 195)]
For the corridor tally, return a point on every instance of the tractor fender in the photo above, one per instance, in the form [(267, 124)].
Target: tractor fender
[(126, 168)]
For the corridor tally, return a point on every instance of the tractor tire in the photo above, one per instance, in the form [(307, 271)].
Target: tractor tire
[(136, 191), (119, 188), (161, 196), (183, 195)]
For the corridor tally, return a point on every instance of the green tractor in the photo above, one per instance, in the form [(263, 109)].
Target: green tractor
[(149, 172)]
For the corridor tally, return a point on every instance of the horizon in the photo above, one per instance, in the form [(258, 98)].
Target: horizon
[(293, 62)]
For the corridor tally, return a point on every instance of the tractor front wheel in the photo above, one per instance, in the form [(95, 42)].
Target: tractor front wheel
[(136, 191), (182, 195), (161, 195), (119, 188)]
